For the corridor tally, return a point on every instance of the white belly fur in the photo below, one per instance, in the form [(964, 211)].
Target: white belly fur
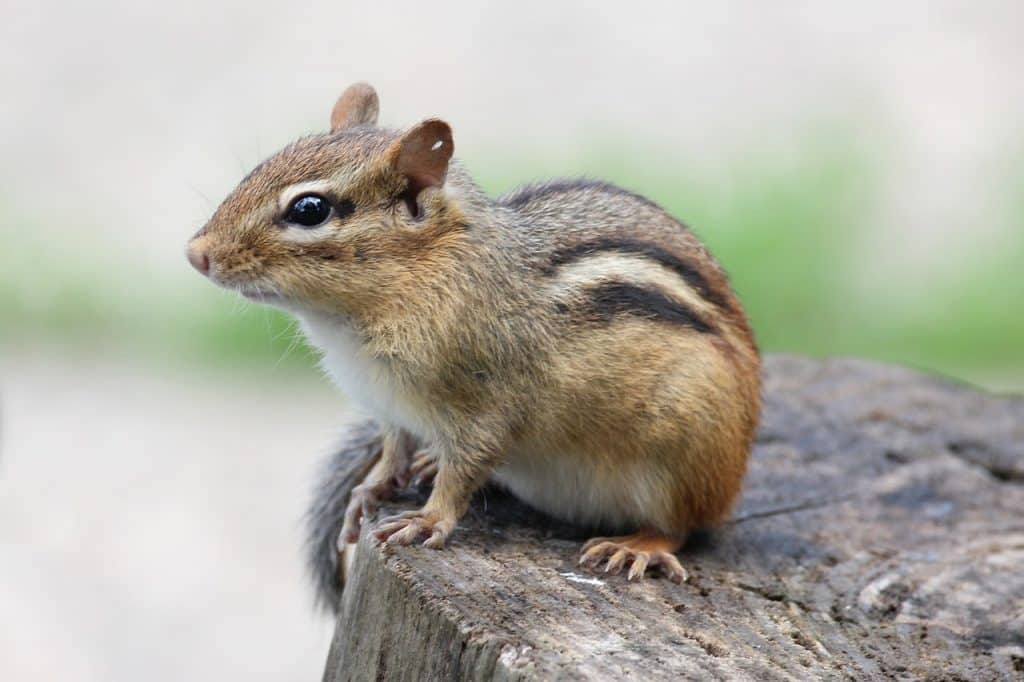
[(365, 380), (567, 487)]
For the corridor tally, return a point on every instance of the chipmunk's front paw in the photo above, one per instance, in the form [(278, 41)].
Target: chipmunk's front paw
[(405, 529), (424, 467), (362, 504)]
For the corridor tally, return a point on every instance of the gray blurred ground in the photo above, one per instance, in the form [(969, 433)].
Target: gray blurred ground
[(150, 523), (149, 518)]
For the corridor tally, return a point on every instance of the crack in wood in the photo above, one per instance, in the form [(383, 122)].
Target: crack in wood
[(789, 509)]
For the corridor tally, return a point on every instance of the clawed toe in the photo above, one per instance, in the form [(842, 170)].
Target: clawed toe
[(671, 567), (639, 566), (616, 562), (403, 535), (424, 468), (594, 551), (362, 505), (393, 518)]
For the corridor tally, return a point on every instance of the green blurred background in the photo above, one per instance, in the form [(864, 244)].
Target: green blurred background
[(798, 235), (859, 172)]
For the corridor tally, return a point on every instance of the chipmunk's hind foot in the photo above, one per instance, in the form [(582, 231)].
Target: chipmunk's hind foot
[(643, 550)]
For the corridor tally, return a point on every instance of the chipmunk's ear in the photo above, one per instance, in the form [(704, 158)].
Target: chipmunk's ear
[(357, 106), (421, 156)]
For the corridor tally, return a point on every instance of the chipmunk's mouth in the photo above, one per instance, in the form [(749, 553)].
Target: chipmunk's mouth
[(255, 292), (260, 295), (252, 292)]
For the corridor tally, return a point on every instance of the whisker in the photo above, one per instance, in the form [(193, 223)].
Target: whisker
[(292, 345)]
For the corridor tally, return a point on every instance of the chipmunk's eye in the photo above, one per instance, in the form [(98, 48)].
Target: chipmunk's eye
[(309, 210)]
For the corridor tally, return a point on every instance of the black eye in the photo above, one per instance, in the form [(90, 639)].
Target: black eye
[(309, 210)]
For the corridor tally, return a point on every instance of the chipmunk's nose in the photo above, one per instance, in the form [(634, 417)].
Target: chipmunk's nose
[(198, 258)]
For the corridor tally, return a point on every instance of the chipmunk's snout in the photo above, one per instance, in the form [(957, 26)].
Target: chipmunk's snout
[(198, 257)]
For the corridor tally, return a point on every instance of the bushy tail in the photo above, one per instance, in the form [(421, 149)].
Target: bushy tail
[(352, 460)]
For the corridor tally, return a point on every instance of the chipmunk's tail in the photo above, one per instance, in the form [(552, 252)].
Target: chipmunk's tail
[(358, 451)]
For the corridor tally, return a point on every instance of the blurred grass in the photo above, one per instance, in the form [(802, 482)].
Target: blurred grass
[(796, 238), (790, 231)]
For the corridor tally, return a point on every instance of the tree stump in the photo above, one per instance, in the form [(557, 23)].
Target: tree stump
[(880, 536)]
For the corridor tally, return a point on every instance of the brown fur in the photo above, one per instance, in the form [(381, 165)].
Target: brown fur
[(463, 307)]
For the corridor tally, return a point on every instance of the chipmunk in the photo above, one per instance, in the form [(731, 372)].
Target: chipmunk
[(570, 341)]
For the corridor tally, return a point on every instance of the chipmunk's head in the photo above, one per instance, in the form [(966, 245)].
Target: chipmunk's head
[(334, 222)]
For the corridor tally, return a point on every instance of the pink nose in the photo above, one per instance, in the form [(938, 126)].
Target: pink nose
[(199, 260)]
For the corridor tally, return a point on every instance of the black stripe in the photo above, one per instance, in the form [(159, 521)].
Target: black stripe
[(690, 274), (611, 299), (521, 196)]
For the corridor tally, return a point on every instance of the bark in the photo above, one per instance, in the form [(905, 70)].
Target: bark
[(880, 535)]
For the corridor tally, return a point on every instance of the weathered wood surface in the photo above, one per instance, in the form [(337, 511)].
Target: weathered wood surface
[(880, 535)]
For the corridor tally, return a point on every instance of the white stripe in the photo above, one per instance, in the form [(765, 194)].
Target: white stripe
[(634, 269)]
